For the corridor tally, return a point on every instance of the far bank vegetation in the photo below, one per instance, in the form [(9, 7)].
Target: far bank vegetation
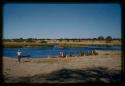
[(62, 42)]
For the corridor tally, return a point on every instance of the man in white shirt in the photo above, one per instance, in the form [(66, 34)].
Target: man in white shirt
[(19, 54)]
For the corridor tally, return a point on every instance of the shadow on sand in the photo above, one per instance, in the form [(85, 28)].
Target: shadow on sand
[(75, 76)]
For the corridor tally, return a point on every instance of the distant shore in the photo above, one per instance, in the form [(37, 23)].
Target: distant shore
[(61, 44), (62, 70)]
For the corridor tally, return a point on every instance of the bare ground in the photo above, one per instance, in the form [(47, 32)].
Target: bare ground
[(105, 67)]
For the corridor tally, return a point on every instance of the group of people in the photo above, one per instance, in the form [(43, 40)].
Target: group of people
[(87, 53), (91, 52)]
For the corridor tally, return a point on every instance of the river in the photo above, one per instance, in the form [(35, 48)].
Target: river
[(44, 52)]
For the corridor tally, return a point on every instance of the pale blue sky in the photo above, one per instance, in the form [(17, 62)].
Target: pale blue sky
[(61, 20)]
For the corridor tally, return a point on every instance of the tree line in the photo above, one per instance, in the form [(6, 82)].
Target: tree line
[(108, 39)]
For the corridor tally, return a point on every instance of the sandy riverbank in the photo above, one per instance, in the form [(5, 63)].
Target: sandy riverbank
[(105, 67)]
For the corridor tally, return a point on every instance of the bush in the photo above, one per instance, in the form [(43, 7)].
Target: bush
[(108, 39), (100, 38)]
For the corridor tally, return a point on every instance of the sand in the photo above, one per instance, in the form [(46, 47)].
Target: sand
[(102, 68)]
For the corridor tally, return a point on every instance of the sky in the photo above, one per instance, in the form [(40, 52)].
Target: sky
[(61, 20)]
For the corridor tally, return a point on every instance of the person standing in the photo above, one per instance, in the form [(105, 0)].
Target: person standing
[(61, 53), (19, 54)]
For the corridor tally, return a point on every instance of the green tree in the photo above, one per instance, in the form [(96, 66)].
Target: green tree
[(20, 39), (108, 39), (100, 38), (94, 38)]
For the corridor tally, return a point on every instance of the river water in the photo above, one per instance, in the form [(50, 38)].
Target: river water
[(44, 52)]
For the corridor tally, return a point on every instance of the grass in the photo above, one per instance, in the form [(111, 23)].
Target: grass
[(27, 44), (61, 44)]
